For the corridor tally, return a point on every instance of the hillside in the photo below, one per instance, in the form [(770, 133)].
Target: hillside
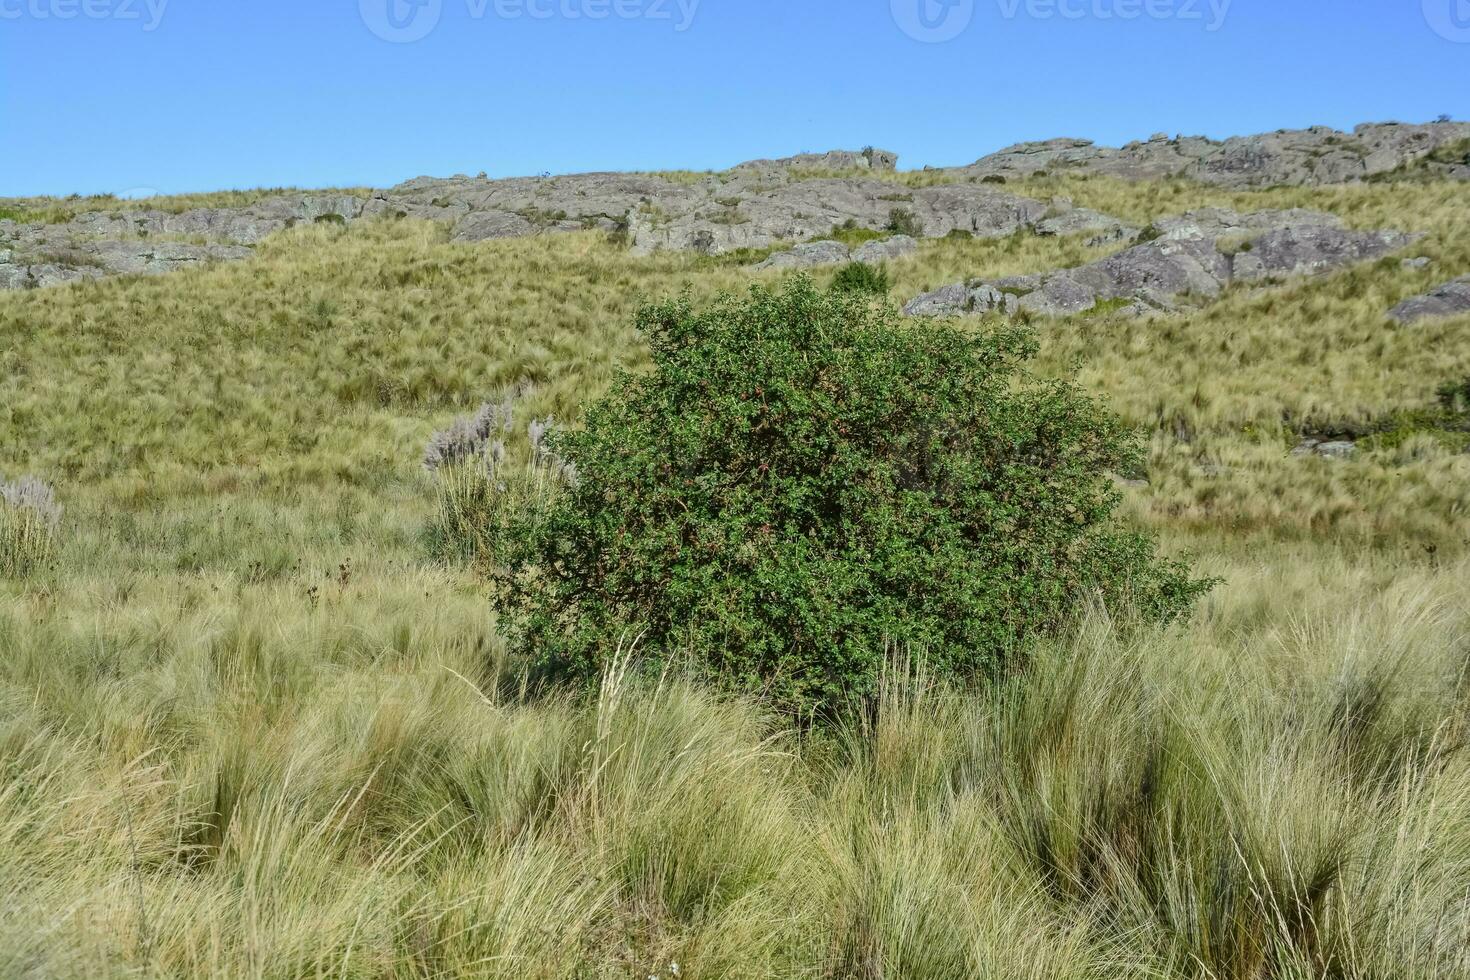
[(251, 726)]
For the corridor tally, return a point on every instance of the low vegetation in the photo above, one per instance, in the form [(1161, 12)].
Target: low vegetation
[(256, 720)]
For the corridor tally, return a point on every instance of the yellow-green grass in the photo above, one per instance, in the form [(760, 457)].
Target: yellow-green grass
[(249, 728)]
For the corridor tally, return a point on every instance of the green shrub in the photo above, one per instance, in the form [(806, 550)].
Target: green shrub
[(861, 278), (1454, 397), (852, 234), (804, 482), (902, 221)]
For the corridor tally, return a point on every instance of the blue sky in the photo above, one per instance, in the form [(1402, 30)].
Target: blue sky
[(181, 95)]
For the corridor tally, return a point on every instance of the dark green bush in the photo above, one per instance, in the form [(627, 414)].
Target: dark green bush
[(804, 482), (861, 278), (1454, 397), (902, 221)]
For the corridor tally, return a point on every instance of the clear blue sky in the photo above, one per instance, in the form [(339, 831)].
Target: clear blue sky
[(112, 95)]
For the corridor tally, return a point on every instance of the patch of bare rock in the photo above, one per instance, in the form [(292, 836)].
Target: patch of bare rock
[(1450, 299), (1193, 255)]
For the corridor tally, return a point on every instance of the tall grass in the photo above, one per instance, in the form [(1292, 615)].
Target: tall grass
[(263, 786)]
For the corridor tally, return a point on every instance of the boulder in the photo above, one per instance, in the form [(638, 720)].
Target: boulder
[(886, 249), (1077, 221), (1450, 299), (807, 256), (1306, 249)]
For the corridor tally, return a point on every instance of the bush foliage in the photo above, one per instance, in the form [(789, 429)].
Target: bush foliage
[(805, 481), (859, 277)]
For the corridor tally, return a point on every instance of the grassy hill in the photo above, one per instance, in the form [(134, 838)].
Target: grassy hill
[(248, 728)]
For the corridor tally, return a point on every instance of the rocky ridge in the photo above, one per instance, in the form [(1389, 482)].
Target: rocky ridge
[(1289, 157), (757, 205)]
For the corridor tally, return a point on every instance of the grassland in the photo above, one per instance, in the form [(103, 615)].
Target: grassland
[(249, 728)]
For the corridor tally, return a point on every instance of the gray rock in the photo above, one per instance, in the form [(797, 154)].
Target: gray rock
[(1337, 450), (480, 226), (807, 256), (884, 250), (1415, 264), (714, 221), (1223, 222), (870, 159), (1307, 249), (1155, 275), (763, 203), (1305, 157), (1451, 299), (1078, 221), (1306, 447)]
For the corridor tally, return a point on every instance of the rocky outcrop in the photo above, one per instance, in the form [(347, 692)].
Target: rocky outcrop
[(812, 254), (868, 159), (885, 249), (762, 216), (1078, 221), (807, 256), (98, 244), (762, 204), (1451, 299), (1156, 274), (1300, 157)]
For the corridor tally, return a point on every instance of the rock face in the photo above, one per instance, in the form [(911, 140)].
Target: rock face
[(1298, 157), (98, 244), (1187, 259), (1451, 299)]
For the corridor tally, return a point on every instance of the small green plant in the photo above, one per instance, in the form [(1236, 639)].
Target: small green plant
[(29, 520), (902, 221), (806, 480), (861, 278), (852, 234), (1454, 397)]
